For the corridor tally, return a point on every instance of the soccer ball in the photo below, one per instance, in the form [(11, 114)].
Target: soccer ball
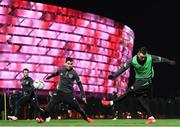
[(38, 84)]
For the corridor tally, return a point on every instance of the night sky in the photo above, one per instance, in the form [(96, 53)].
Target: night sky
[(156, 25)]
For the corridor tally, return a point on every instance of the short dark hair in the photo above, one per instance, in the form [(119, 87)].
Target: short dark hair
[(69, 59), (143, 50), (25, 69)]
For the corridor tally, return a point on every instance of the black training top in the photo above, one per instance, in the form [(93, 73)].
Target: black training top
[(27, 84), (66, 82)]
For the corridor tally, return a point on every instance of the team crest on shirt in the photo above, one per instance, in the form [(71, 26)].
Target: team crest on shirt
[(70, 75)]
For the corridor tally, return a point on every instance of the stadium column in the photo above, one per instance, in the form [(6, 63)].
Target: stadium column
[(5, 110)]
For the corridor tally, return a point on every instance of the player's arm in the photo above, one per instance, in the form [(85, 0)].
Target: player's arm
[(31, 81), (53, 74), (121, 70), (158, 59), (80, 87)]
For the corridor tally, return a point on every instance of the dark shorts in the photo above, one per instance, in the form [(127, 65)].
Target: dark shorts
[(141, 86)]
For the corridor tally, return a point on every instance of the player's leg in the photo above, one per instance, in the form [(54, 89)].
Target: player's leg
[(120, 98), (114, 112), (53, 102), (18, 106), (69, 110), (35, 104), (73, 103), (143, 99), (144, 102)]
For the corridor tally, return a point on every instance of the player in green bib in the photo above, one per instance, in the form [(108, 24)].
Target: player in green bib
[(144, 72)]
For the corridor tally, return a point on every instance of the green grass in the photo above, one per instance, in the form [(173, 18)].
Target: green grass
[(97, 122)]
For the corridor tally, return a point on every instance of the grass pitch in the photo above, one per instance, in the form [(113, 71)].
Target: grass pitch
[(97, 123)]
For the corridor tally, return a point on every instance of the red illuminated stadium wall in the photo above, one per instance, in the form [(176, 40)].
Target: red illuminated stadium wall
[(40, 36)]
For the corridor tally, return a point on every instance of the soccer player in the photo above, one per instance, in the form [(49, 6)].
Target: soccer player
[(13, 99), (65, 91), (142, 63), (28, 96)]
